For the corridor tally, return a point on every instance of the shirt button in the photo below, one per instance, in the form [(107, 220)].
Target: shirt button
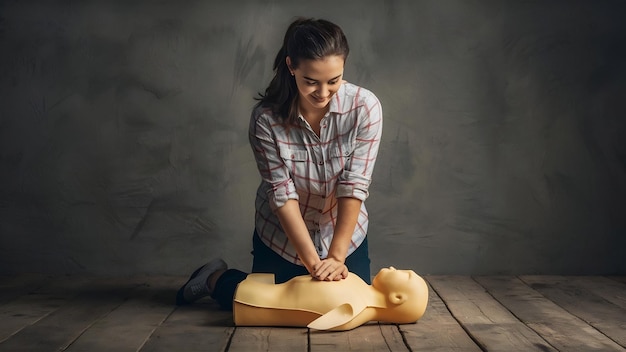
[(321, 162), (292, 156)]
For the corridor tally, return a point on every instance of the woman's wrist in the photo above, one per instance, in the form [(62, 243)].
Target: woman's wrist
[(311, 264), (337, 256)]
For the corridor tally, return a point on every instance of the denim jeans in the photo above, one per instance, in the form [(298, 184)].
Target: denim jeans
[(265, 260)]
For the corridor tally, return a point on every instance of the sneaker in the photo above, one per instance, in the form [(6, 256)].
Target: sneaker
[(197, 286)]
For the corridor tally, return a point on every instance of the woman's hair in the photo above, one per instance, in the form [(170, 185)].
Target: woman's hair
[(305, 39)]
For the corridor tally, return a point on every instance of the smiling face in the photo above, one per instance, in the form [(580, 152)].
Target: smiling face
[(317, 81)]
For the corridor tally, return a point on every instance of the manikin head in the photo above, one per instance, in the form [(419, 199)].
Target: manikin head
[(406, 293)]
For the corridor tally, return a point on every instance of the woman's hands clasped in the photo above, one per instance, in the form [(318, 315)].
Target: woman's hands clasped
[(330, 269)]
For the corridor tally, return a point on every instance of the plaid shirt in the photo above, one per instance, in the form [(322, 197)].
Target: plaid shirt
[(295, 163)]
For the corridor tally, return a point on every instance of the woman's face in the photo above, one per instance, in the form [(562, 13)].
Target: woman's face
[(317, 81)]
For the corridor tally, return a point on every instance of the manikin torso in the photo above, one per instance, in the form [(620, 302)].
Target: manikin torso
[(335, 305)]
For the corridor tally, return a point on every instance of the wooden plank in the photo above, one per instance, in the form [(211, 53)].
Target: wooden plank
[(490, 324), (561, 329), (437, 330), (129, 326), (57, 330), (197, 327), (248, 339), (612, 291), (603, 315), (393, 337), (368, 337), (25, 311), (37, 303)]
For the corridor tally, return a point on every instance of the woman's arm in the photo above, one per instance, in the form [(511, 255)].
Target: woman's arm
[(347, 215), (298, 234), (333, 267), (353, 185), (283, 198)]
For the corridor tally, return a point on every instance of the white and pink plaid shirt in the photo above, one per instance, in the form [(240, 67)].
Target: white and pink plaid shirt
[(295, 163)]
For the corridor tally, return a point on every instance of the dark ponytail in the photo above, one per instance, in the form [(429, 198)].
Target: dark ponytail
[(305, 39)]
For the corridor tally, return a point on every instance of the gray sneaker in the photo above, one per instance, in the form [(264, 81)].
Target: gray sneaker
[(197, 286)]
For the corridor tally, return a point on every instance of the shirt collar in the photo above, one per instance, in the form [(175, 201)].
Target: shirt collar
[(334, 102)]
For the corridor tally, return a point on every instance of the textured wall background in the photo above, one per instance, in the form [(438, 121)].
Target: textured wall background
[(123, 132)]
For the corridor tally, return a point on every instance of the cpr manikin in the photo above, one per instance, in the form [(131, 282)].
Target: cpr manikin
[(395, 296)]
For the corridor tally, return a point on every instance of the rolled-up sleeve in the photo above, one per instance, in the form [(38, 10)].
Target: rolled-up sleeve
[(355, 180), (269, 162)]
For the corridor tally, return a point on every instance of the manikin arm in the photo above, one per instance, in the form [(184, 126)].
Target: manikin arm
[(340, 317)]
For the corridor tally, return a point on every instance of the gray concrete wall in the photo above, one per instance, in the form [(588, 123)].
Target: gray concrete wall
[(123, 145)]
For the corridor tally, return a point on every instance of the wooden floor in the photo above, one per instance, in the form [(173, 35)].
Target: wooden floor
[(525, 313)]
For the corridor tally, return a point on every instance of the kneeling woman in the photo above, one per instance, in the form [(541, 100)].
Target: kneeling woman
[(315, 138)]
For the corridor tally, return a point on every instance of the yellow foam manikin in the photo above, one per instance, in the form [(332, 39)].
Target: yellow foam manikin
[(395, 296)]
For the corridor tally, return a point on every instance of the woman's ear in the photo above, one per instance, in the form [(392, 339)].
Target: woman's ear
[(288, 62), (397, 297)]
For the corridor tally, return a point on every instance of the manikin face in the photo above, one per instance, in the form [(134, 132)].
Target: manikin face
[(317, 81), (391, 279), (405, 291)]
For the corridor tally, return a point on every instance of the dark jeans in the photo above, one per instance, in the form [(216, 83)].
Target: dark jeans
[(266, 260)]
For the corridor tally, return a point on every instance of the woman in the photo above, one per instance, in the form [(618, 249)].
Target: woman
[(315, 138)]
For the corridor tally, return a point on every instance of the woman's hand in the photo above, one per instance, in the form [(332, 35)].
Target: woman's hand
[(330, 269)]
